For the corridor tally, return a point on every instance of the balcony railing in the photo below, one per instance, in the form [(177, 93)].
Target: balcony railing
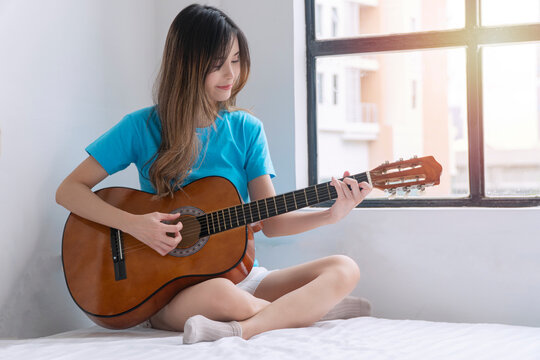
[(362, 113)]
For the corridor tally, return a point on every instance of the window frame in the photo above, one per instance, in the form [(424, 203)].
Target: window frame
[(471, 37)]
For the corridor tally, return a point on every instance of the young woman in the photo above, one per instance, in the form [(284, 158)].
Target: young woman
[(194, 131)]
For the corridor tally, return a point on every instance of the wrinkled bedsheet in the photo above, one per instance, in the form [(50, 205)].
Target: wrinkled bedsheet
[(359, 338)]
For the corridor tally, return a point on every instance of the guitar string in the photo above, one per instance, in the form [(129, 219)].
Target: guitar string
[(309, 198), (312, 196), (223, 223)]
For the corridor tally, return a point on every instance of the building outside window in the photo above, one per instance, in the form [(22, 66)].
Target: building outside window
[(335, 89), (320, 88), (335, 21)]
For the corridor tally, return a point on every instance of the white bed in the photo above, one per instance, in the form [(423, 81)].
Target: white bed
[(360, 338)]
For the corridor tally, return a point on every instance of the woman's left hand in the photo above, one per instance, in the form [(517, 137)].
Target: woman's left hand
[(347, 199)]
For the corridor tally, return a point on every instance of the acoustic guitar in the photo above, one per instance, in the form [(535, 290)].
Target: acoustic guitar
[(119, 282)]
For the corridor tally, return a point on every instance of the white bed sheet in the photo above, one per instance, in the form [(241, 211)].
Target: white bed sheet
[(360, 338)]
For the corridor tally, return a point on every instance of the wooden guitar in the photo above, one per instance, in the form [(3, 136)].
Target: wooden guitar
[(119, 282)]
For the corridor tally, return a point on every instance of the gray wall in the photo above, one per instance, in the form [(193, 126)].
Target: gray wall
[(70, 70)]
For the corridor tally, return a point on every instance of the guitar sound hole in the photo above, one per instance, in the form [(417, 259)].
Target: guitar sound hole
[(190, 232)]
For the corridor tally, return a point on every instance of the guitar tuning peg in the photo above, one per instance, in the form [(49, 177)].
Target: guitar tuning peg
[(392, 193), (422, 188)]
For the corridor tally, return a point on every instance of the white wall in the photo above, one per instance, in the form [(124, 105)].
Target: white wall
[(70, 70), (457, 265)]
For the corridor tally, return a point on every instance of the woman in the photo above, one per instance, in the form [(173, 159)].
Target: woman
[(195, 131)]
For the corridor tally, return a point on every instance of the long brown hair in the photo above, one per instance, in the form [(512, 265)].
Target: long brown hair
[(199, 37)]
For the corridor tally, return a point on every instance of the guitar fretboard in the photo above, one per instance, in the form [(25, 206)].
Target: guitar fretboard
[(241, 215)]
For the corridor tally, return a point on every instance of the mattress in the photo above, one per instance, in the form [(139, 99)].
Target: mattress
[(359, 338)]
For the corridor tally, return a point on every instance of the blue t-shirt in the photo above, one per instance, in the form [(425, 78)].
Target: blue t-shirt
[(237, 149)]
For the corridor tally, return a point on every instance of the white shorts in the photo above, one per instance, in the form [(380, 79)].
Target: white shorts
[(254, 278)]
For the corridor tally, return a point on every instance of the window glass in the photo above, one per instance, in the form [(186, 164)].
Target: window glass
[(391, 106), (350, 18), (499, 12), (511, 107)]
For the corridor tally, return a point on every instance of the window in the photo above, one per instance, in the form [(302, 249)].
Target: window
[(497, 12), (413, 94), (334, 22), (318, 18), (511, 145), (538, 87), (320, 88), (335, 89), (429, 78)]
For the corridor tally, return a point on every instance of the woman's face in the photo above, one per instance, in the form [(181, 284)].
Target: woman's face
[(220, 79)]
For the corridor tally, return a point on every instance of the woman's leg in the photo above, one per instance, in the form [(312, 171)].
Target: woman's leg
[(217, 299), (302, 294)]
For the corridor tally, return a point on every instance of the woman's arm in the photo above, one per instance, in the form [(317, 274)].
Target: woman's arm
[(75, 194), (298, 222)]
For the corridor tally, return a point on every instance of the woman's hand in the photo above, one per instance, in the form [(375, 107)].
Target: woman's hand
[(150, 229), (347, 199)]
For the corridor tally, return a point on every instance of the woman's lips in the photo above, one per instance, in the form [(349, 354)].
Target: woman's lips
[(226, 87)]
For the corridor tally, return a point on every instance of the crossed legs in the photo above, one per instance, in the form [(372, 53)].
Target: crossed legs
[(293, 297)]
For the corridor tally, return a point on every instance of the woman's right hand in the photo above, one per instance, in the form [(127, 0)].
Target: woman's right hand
[(150, 229)]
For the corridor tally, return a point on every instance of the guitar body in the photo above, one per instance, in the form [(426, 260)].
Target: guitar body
[(149, 280), (120, 282)]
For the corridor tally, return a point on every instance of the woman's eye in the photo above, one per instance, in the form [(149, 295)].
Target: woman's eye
[(217, 67)]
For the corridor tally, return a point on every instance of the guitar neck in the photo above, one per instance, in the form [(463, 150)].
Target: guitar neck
[(241, 215)]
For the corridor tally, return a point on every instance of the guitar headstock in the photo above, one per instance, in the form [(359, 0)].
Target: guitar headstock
[(415, 173)]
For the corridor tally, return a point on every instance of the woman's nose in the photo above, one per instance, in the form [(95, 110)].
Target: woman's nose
[(229, 70)]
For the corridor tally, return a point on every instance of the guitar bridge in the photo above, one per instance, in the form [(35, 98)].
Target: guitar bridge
[(117, 247)]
